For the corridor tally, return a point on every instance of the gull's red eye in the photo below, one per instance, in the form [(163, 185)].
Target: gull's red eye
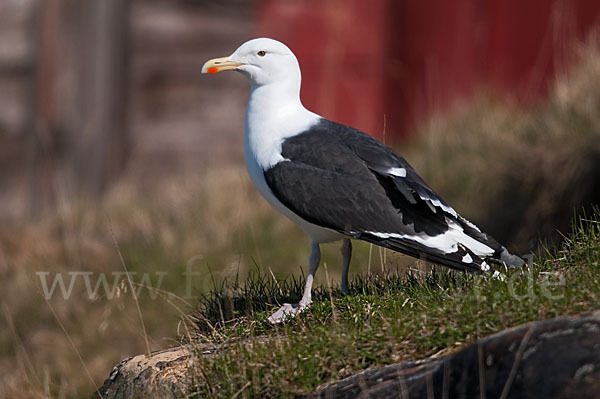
[(261, 53)]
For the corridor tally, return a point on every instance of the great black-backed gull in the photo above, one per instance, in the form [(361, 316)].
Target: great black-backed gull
[(338, 183)]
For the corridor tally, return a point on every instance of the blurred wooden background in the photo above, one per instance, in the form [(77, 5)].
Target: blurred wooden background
[(91, 91), (409, 59), (94, 91)]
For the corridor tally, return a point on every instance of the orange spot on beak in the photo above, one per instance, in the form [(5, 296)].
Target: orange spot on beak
[(212, 70)]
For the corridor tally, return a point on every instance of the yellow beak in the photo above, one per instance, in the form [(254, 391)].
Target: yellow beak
[(220, 64)]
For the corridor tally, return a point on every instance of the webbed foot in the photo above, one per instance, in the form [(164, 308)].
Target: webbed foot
[(286, 312)]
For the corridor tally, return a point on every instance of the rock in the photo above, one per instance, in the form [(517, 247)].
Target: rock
[(556, 358), (164, 374)]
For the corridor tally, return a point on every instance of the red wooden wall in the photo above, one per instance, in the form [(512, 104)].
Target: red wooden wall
[(406, 59)]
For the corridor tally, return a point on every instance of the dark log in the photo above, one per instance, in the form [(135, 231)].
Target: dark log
[(556, 358)]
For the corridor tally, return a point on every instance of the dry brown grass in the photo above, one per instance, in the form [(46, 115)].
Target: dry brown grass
[(201, 217)]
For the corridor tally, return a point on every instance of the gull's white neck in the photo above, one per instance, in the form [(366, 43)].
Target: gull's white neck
[(274, 113)]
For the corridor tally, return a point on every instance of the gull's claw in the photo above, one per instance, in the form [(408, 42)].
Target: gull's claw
[(287, 311)]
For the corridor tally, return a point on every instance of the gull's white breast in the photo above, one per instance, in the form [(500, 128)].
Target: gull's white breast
[(263, 136)]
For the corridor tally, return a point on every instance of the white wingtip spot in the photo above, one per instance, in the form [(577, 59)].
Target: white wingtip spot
[(467, 259), (499, 276), (485, 267), (399, 172)]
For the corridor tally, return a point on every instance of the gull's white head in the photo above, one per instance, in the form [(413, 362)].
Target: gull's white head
[(263, 61)]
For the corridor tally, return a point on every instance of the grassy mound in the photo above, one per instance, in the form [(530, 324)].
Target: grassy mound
[(386, 318)]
